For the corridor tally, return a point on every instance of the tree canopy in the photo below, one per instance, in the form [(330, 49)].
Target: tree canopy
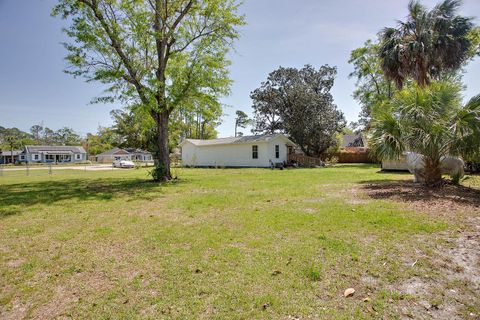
[(372, 88), (430, 121), (162, 55), (298, 102), (428, 44)]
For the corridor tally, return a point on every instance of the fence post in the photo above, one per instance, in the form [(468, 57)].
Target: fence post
[(50, 169)]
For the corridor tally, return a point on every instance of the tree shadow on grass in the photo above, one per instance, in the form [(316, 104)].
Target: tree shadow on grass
[(13, 196), (448, 197)]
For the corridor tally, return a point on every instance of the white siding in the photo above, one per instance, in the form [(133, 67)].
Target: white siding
[(233, 155)]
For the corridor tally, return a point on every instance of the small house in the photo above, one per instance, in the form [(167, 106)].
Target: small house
[(11, 156), (53, 154), (131, 154), (245, 151)]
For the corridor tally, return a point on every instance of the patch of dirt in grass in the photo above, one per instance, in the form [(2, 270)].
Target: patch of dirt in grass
[(447, 285), (64, 297), (440, 202)]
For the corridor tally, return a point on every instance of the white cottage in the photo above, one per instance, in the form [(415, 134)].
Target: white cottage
[(246, 151)]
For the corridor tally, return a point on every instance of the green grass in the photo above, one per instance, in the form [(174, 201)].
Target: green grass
[(215, 244)]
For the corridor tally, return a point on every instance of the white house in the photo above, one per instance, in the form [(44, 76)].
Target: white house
[(53, 154), (246, 151), (123, 154)]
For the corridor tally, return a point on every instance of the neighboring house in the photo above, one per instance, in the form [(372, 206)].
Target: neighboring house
[(246, 151), (53, 154), (354, 143), (139, 154), (6, 156), (123, 154)]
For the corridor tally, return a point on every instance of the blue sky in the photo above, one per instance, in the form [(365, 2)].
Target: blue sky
[(33, 88)]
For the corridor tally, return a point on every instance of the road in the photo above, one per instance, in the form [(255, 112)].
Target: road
[(96, 167)]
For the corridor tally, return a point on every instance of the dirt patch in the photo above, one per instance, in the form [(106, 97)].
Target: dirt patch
[(67, 295), (449, 287), (442, 201)]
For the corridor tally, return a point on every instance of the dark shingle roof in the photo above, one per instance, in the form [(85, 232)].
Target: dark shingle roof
[(137, 151), (123, 151), (234, 140), (43, 149), (9, 153), (353, 140)]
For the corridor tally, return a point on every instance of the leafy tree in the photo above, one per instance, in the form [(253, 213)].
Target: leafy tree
[(66, 136), (160, 54), (430, 121), (36, 130), (104, 140), (372, 88), (426, 45), (241, 121), (48, 137), (133, 129), (298, 102)]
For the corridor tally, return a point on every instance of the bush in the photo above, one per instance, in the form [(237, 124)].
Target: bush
[(158, 173), (332, 161)]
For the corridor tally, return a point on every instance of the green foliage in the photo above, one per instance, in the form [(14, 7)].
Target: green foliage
[(428, 44), (299, 103), (372, 88), (160, 56), (430, 121), (158, 173)]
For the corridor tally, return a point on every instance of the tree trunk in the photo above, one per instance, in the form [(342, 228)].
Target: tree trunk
[(433, 173), (162, 161)]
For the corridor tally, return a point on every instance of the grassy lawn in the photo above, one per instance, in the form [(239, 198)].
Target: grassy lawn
[(221, 244)]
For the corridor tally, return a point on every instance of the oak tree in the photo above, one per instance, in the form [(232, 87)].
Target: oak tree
[(160, 54)]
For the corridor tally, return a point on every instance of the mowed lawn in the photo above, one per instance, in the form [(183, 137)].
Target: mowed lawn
[(214, 244)]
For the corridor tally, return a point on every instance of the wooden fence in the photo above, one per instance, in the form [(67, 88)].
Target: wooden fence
[(304, 160), (349, 157), (343, 157)]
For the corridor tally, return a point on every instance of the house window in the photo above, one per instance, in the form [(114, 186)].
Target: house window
[(78, 156), (22, 157), (277, 151), (50, 157), (36, 157), (254, 152)]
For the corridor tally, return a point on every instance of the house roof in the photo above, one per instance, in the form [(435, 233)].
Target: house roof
[(9, 153), (137, 151), (54, 149), (115, 151), (237, 140), (353, 140)]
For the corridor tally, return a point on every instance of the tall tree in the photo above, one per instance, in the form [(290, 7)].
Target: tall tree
[(37, 130), (48, 136), (241, 120), (427, 44), (66, 136), (430, 121), (160, 54), (372, 88), (298, 102)]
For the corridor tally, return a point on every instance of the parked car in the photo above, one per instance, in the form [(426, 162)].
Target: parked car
[(123, 164)]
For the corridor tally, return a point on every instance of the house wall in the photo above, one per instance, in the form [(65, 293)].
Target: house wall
[(233, 155), (30, 157)]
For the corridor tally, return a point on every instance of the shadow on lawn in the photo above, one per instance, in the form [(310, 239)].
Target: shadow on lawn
[(49, 192), (448, 196)]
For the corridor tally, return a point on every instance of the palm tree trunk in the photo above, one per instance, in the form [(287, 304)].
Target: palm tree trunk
[(433, 173)]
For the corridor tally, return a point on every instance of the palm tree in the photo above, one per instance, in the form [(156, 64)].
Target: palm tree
[(427, 44), (430, 121)]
